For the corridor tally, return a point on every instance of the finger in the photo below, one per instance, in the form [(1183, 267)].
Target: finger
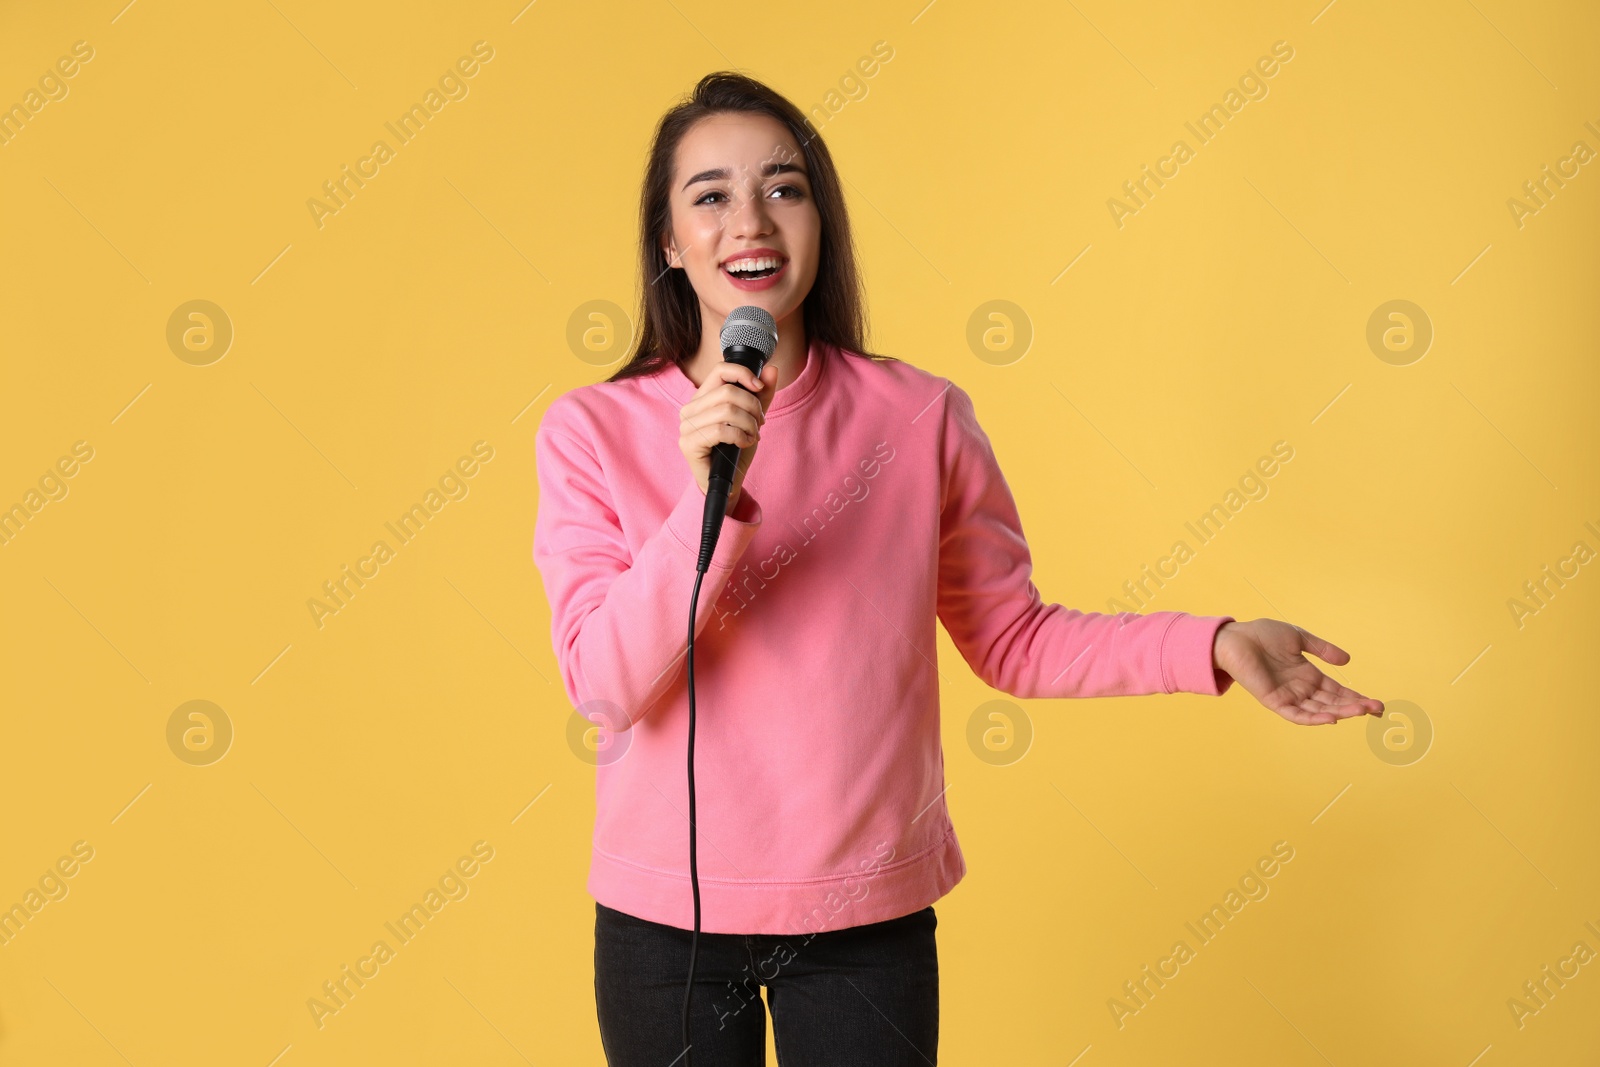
[(1342, 709), (732, 395), (722, 373), (1337, 699), (1324, 650), (738, 429), (728, 405), (707, 432), (738, 374), (727, 433), (743, 410), (1306, 716), (1329, 713), (743, 418), (1346, 711), (1331, 692), (1367, 705), (749, 401)]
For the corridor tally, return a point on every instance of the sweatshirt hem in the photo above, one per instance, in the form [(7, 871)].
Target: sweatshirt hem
[(870, 894)]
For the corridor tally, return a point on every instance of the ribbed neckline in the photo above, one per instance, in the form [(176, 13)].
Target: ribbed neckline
[(680, 387)]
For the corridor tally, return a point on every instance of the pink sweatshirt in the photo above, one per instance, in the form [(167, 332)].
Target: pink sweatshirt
[(874, 504)]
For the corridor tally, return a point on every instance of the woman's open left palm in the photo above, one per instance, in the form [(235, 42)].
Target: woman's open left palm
[(1264, 657)]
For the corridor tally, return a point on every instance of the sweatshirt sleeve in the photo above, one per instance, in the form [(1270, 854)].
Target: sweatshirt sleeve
[(1011, 639), (618, 620)]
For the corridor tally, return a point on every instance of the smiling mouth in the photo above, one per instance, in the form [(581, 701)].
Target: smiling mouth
[(771, 266)]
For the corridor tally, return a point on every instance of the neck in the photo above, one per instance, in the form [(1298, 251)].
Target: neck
[(789, 357)]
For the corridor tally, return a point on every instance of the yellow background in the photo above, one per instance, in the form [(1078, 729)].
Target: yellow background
[(432, 312)]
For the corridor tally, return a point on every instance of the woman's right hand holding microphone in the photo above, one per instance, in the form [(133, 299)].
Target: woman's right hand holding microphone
[(729, 407)]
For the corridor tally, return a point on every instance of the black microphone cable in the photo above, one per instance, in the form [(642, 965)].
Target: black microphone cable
[(749, 337), (694, 870)]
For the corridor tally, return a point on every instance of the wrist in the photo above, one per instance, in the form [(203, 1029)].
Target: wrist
[(1222, 642)]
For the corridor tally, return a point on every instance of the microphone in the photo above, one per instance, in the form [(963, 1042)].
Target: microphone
[(749, 337)]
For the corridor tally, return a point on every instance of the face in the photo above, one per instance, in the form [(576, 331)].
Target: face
[(740, 186)]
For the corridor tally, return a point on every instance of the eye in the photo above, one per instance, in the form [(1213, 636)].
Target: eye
[(794, 191)]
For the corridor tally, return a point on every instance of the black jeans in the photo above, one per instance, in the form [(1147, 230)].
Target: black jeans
[(865, 995)]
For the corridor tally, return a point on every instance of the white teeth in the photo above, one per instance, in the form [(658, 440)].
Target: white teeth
[(744, 265)]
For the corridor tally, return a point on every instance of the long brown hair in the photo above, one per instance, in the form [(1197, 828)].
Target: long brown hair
[(669, 312)]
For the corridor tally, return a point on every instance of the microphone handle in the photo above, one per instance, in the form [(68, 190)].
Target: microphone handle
[(725, 455), (724, 464)]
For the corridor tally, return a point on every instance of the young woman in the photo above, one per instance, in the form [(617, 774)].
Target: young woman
[(877, 507)]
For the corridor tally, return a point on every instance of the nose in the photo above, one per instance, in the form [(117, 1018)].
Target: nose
[(750, 217)]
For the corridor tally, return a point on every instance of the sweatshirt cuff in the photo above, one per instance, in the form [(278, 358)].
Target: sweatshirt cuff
[(687, 520), (1188, 663)]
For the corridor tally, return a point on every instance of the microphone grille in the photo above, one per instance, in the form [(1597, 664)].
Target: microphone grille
[(752, 327)]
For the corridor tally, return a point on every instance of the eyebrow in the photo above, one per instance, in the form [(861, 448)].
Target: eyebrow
[(768, 170)]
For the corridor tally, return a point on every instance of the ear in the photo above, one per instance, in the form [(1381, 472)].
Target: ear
[(669, 250)]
